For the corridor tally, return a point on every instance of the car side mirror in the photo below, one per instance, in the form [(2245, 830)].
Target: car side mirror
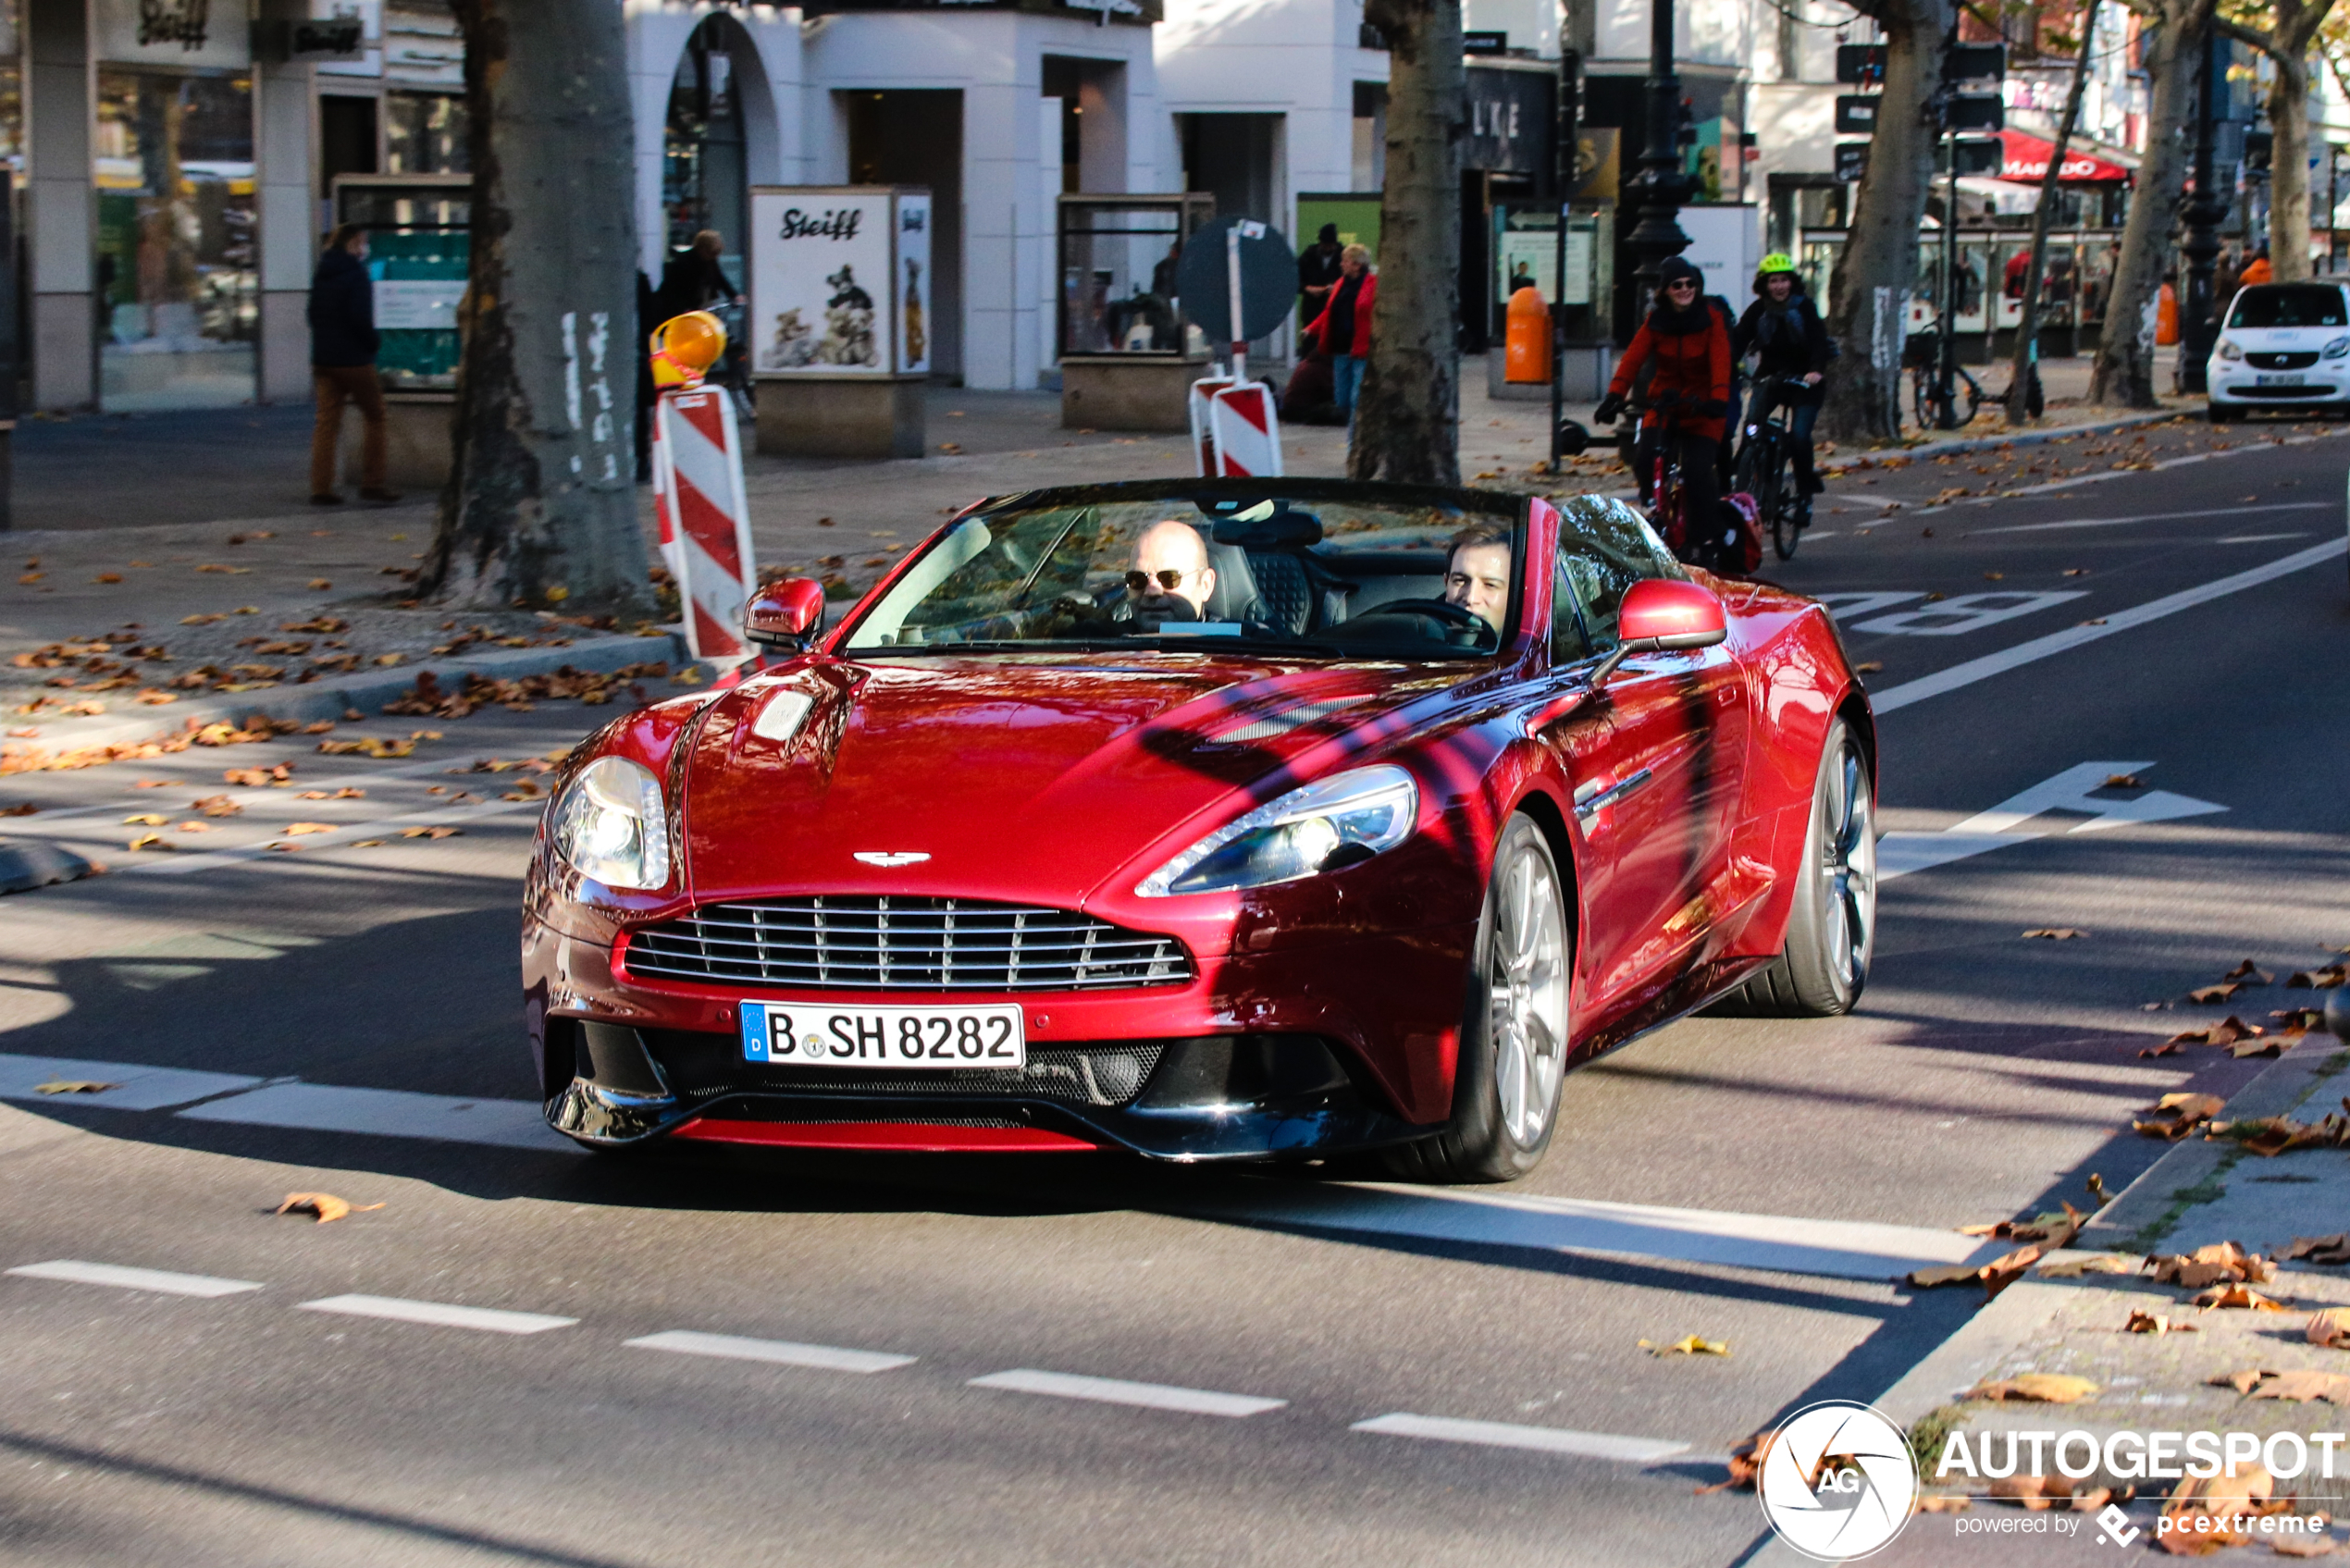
[(1662, 616), (786, 615)]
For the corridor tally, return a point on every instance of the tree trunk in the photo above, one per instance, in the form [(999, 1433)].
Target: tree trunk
[(1869, 293), (1407, 417), (2028, 329), (540, 508), (2287, 47), (2124, 372)]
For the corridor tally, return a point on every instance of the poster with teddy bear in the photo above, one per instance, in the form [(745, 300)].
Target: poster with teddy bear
[(839, 280)]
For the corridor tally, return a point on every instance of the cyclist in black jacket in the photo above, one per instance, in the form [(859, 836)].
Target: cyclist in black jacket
[(1783, 329)]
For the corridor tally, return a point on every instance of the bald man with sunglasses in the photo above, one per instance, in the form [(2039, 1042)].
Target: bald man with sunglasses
[(1170, 563)]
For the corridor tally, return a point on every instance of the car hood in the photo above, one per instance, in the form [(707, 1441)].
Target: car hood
[(1027, 779)]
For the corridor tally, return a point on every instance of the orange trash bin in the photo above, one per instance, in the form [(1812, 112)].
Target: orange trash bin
[(1525, 354), (2166, 317)]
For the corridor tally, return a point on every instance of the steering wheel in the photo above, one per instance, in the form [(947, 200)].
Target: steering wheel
[(1435, 610)]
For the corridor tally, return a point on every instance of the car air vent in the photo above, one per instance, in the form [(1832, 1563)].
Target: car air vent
[(869, 943), (2296, 361), (1274, 725)]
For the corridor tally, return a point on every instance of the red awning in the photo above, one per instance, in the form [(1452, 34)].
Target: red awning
[(2025, 161)]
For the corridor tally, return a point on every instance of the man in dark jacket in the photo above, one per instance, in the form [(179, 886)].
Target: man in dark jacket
[(342, 361), (1791, 347)]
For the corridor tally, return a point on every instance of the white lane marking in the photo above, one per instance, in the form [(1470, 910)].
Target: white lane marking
[(1838, 1249), (1844, 606), (1960, 677), (2259, 539), (783, 1353), (1507, 1434), (390, 1113), (140, 1088), (2146, 517), (76, 1271), (440, 1315), (209, 859), (1898, 853), (1967, 612), (1112, 1391)]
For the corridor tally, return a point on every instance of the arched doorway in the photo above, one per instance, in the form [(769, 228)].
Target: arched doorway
[(715, 102)]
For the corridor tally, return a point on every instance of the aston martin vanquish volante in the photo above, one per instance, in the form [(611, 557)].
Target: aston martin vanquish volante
[(1207, 820)]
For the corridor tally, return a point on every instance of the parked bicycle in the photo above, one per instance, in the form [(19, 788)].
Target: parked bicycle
[(1937, 407), (1766, 470)]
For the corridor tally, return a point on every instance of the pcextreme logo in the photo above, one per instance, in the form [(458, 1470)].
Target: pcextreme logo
[(1838, 1482)]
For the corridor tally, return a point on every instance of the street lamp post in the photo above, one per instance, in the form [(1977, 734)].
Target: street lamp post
[(1660, 188), (2200, 250)]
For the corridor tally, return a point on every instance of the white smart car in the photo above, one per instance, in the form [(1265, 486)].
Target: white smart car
[(2283, 346)]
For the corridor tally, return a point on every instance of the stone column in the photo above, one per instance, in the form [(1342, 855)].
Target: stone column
[(58, 210), (285, 110)]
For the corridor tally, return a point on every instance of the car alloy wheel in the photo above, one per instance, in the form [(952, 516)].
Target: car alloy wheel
[(1848, 872), (1526, 988), (1831, 929)]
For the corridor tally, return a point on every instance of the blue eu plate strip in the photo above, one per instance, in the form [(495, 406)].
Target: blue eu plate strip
[(754, 1015)]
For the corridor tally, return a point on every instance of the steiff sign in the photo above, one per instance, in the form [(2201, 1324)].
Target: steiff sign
[(840, 281), (212, 34)]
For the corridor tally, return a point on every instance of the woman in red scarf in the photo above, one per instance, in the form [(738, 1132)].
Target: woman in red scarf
[(1687, 350)]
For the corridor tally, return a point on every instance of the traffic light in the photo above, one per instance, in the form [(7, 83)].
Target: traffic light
[(2259, 147), (1861, 65), (1973, 111)]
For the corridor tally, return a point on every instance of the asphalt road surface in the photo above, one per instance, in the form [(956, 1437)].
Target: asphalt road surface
[(527, 1356)]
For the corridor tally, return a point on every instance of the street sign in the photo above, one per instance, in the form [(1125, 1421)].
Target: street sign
[(1863, 65), (1974, 62), (1856, 113), (1976, 154), (1851, 161), (1973, 111), (1268, 281)]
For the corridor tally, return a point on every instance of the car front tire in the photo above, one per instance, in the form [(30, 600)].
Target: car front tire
[(2220, 414), (1830, 933), (1515, 1033)]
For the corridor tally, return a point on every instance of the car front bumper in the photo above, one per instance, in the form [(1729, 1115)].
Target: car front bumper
[(1283, 1052), (2236, 385)]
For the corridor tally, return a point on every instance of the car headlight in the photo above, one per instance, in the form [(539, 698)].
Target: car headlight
[(2229, 350), (2338, 348), (1326, 826), (609, 824)]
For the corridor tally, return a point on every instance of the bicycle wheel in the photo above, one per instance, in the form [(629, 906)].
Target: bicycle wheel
[(1969, 396), (1922, 399), (1786, 507)]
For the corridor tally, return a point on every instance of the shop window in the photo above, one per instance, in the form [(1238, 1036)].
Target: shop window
[(425, 134), (176, 242)]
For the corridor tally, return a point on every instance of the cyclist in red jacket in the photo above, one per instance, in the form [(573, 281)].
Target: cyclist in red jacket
[(1689, 349)]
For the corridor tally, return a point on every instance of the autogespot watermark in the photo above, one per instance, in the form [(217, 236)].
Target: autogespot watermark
[(1838, 1481)]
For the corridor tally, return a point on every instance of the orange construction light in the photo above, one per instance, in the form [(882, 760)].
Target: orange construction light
[(685, 347)]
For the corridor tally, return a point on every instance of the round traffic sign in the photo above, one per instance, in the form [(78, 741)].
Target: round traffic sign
[(1269, 279)]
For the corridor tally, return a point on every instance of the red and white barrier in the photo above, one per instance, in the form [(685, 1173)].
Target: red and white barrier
[(1203, 396), (705, 517), (1245, 426)]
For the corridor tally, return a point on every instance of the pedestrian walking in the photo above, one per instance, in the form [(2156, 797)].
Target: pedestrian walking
[(1343, 330), (342, 363), (693, 280), (1318, 272)]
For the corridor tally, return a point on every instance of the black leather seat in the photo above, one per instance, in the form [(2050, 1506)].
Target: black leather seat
[(1284, 594)]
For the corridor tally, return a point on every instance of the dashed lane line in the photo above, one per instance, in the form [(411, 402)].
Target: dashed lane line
[(1112, 1391), (1958, 676), (1508, 1434), (440, 1315), (76, 1271), (782, 1353), (2146, 517)]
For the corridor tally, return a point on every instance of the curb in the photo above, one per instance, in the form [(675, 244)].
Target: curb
[(371, 689), (26, 866), (2016, 1315), (2020, 439)]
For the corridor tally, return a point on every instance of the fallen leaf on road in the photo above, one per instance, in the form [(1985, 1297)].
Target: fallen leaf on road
[(2169, 1049), (143, 819), (148, 841), (2041, 1388), (2303, 1385), (2207, 995), (1870, 668), (298, 829), (326, 1205), (344, 793), (2227, 1032), (1940, 1274), (259, 778), (22, 808), (2269, 1136), (2330, 1328), (1995, 576), (191, 827), (2038, 1493), (2242, 1298), (387, 659), (216, 805), (1688, 1344), (2055, 933), (2174, 1116), (1745, 1463), (1955, 1503), (2325, 978), (2243, 1048), (2095, 1184), (2248, 970), (2242, 1382), (2328, 1250), (200, 620), (2145, 1322), (378, 746), (2077, 570), (2073, 1268), (107, 577), (320, 585), (2208, 1265), (73, 1086), (367, 844), (2123, 781), (431, 832)]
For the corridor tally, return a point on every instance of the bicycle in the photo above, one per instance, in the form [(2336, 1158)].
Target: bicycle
[(1935, 407), (1766, 472), (1709, 546)]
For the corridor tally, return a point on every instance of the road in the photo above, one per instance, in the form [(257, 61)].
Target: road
[(707, 1355)]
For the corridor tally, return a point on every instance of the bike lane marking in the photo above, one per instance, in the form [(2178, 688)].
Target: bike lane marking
[(1509, 1434)]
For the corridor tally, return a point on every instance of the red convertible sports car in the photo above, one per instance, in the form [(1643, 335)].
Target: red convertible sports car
[(1206, 818)]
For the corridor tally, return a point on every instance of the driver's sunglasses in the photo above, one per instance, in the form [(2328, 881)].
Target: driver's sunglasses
[(1168, 578)]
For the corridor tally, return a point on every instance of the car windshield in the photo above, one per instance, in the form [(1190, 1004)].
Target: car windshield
[(2289, 305), (1431, 575)]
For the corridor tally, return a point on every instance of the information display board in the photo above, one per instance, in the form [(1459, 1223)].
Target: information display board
[(419, 249), (840, 281)]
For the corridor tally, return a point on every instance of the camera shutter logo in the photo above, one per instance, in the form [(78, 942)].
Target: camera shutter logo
[(1838, 1482)]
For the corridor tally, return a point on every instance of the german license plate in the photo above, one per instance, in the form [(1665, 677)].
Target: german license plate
[(909, 1039), (2280, 380)]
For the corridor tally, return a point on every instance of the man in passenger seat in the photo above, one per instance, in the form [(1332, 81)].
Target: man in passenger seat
[(1477, 577), (1170, 562)]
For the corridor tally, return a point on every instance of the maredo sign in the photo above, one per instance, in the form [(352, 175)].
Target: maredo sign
[(2025, 158)]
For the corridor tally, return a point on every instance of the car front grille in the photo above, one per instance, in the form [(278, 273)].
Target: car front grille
[(2297, 361), (869, 942)]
